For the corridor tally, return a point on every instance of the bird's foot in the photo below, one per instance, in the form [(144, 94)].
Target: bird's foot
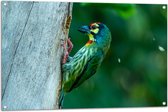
[(66, 44), (70, 45)]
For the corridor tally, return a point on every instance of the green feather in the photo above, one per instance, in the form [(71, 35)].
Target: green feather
[(90, 68)]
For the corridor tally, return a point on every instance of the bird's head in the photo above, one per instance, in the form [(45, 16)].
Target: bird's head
[(92, 29), (96, 31)]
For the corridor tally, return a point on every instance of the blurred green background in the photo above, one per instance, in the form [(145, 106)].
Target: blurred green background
[(134, 72)]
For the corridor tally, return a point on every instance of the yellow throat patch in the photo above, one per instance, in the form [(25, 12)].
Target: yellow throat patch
[(91, 40)]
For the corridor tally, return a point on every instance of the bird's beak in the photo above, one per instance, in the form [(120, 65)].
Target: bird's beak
[(84, 29)]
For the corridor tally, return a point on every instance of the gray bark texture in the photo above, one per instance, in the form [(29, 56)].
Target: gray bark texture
[(32, 34)]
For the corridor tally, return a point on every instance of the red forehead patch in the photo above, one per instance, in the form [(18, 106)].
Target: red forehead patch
[(94, 23)]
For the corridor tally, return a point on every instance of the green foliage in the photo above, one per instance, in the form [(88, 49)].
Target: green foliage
[(124, 10), (133, 73)]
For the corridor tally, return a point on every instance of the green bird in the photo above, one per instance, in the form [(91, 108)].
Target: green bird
[(86, 61)]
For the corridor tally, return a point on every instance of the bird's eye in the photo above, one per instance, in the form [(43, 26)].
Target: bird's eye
[(93, 27)]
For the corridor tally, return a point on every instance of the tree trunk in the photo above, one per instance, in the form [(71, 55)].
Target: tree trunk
[(32, 53)]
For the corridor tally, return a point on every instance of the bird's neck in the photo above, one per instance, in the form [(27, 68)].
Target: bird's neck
[(91, 40)]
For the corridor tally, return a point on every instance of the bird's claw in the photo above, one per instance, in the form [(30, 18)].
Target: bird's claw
[(70, 45), (66, 43)]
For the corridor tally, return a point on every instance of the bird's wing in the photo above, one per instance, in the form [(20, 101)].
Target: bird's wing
[(73, 68), (83, 65), (89, 69)]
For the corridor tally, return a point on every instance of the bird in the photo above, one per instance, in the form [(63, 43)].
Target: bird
[(84, 64)]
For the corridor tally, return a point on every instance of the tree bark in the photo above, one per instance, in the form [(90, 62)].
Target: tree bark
[(32, 53)]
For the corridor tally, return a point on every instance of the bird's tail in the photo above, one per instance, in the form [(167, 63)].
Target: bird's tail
[(61, 99)]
